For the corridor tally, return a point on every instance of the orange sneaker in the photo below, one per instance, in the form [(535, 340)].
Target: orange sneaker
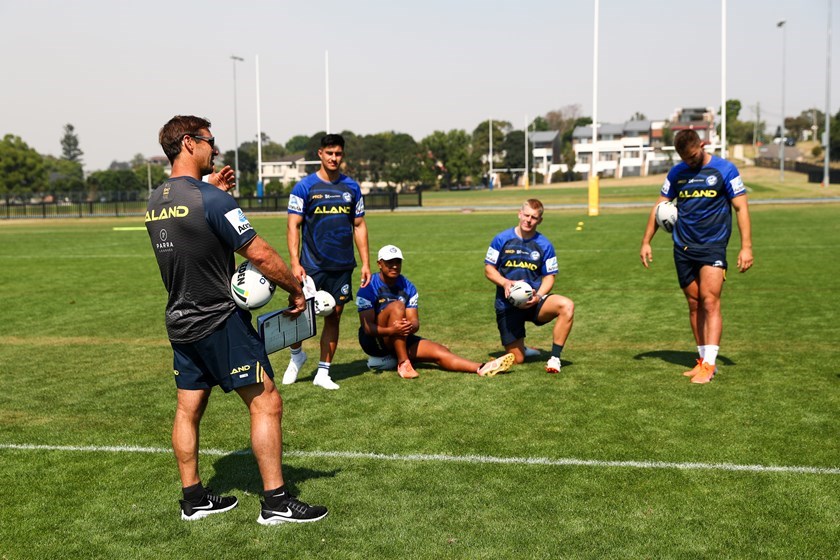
[(695, 370), (406, 370), (707, 371)]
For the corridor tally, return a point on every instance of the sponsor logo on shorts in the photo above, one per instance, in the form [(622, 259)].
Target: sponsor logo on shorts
[(240, 369), (345, 289), (718, 264)]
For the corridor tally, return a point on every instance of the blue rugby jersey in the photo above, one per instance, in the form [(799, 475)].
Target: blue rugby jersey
[(519, 259), (377, 294), (329, 211), (703, 199)]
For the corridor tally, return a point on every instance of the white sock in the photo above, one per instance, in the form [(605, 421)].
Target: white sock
[(323, 368), (702, 351), (296, 351), (711, 354)]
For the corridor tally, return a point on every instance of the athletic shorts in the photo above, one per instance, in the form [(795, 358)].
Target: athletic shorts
[(375, 346), (511, 321), (233, 356), (337, 282), (689, 261)]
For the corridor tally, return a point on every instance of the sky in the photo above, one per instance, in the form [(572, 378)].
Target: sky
[(117, 71)]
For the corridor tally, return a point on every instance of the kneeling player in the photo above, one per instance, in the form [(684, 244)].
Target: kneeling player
[(523, 253), (389, 318)]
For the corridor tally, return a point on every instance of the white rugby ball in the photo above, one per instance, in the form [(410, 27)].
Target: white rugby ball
[(520, 293), (324, 303), (666, 215), (249, 288)]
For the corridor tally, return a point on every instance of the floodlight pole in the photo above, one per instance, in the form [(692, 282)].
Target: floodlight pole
[(784, 136), (327, 87), (827, 143), (259, 132), (235, 59), (490, 155), (526, 153)]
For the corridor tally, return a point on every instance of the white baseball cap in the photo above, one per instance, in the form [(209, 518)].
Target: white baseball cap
[(389, 252)]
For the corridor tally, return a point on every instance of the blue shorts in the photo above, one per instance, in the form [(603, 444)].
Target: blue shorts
[(511, 321), (375, 346), (689, 261), (231, 357), (336, 282)]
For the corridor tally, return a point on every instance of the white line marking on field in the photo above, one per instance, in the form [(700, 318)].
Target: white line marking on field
[(477, 459)]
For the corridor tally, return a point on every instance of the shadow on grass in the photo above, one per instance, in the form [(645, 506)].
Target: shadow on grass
[(238, 471), (687, 359)]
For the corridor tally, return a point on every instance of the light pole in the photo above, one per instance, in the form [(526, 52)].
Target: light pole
[(827, 142), (784, 137), (235, 59)]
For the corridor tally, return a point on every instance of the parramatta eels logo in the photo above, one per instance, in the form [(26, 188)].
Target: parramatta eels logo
[(346, 196), (164, 245), (711, 180), (535, 255)]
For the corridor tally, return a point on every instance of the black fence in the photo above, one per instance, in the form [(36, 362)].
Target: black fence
[(815, 173), (119, 204)]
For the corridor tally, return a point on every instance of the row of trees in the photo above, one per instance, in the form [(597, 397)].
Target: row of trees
[(456, 157)]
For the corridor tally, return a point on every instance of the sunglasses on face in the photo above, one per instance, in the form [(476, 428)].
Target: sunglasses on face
[(209, 139)]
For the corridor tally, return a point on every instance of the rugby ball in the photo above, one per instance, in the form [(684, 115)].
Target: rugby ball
[(249, 288), (520, 293), (666, 215), (324, 303)]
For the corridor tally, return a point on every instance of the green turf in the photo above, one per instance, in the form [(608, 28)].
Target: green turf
[(85, 362)]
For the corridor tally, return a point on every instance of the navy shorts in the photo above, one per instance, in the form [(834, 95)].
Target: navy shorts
[(374, 346), (511, 321), (689, 261), (336, 282), (231, 357)]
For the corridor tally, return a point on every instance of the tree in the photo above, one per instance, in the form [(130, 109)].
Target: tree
[(514, 149), (22, 169), (481, 140), (637, 116), (806, 120), (539, 124), (118, 181), (64, 175), (297, 144), (403, 159), (447, 157), (834, 141), (70, 145)]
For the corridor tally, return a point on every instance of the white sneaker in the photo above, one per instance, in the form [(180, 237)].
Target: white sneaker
[(323, 379), (553, 365), (531, 352), (383, 363), (293, 368)]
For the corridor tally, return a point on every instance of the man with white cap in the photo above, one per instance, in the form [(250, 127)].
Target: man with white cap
[(389, 320)]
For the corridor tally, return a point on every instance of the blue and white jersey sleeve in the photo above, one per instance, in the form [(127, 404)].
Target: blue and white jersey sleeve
[(377, 294)]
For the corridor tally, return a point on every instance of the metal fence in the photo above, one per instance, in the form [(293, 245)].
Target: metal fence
[(816, 173), (74, 206)]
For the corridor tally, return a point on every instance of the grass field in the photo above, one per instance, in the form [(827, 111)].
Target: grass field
[(617, 457)]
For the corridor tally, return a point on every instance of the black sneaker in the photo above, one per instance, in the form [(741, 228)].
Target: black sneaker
[(290, 510), (208, 505)]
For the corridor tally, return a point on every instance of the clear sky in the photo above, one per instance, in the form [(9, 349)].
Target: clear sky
[(118, 70)]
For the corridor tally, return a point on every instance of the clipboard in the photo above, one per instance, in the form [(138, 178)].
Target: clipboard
[(278, 331)]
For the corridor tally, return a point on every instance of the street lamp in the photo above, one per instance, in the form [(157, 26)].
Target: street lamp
[(235, 59), (784, 136)]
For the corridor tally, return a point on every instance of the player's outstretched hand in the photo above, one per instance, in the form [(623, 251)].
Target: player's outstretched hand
[(225, 178)]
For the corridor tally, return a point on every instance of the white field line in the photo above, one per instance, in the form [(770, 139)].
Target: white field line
[(475, 459)]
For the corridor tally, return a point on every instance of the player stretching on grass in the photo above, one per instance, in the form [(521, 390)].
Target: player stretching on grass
[(388, 313), (706, 187), (195, 228), (523, 253), (329, 209)]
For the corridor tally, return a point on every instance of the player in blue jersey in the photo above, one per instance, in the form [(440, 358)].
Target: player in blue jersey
[(327, 208), (388, 311), (195, 228), (705, 188), (523, 253)]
